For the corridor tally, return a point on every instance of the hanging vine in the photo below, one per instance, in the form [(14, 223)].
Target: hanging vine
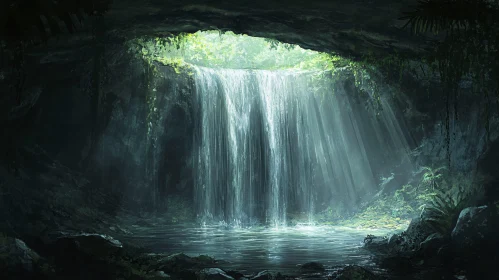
[(470, 49)]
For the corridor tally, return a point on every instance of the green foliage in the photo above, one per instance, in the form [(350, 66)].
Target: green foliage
[(438, 196), (437, 15), (228, 50), (393, 211), (432, 177), (443, 210)]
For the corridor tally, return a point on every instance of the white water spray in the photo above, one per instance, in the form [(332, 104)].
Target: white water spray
[(268, 144)]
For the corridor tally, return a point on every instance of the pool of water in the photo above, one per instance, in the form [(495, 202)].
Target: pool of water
[(258, 248)]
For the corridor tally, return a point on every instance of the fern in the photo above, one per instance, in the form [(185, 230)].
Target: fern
[(443, 211), (431, 177), (447, 15)]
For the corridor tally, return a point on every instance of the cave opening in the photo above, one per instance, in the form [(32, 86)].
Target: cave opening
[(278, 136)]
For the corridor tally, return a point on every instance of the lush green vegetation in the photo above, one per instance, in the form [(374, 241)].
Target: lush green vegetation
[(436, 192), (438, 196), (228, 50)]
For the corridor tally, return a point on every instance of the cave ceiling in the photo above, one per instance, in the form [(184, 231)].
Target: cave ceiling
[(351, 28), (347, 27)]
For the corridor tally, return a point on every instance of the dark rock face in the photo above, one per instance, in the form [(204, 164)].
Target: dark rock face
[(16, 258), (267, 275), (182, 266), (312, 266), (354, 272), (96, 245), (417, 232), (432, 244), (489, 165), (376, 244), (157, 123), (158, 275), (350, 28), (474, 242), (213, 274), (474, 230)]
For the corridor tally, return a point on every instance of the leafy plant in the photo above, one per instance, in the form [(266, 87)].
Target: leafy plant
[(443, 211), (447, 15), (469, 49), (432, 177)]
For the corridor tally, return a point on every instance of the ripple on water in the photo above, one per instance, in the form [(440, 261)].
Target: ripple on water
[(259, 248)]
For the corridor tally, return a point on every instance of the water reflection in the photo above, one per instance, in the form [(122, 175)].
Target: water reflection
[(258, 248)]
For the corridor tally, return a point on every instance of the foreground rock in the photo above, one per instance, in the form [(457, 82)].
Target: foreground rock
[(92, 244), (312, 267), (16, 258), (267, 275), (213, 274), (417, 232), (475, 229), (354, 272)]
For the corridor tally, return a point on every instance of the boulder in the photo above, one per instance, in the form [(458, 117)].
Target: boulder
[(263, 275), (236, 274), (16, 258), (395, 240), (399, 263), (355, 272), (432, 244), (92, 244), (417, 232), (179, 262), (312, 266), (475, 230), (158, 275), (213, 274), (376, 244), (267, 275)]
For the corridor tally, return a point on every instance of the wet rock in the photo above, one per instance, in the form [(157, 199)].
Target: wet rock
[(398, 263), (158, 275), (395, 240), (474, 229), (96, 245), (267, 275), (213, 274), (376, 244), (354, 272), (236, 274), (432, 244), (178, 262), (312, 266), (178, 265), (417, 232), (16, 258)]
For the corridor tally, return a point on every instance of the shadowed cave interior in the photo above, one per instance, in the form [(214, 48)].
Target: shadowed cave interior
[(249, 140)]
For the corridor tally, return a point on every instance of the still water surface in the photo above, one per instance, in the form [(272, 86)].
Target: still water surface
[(257, 248)]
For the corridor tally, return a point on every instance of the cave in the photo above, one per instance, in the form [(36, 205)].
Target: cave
[(249, 139)]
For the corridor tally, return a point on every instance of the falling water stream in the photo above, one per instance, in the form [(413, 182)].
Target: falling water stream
[(270, 143)]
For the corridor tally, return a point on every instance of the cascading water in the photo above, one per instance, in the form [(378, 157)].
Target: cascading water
[(269, 143)]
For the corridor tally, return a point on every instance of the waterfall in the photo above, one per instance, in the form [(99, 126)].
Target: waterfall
[(268, 143)]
